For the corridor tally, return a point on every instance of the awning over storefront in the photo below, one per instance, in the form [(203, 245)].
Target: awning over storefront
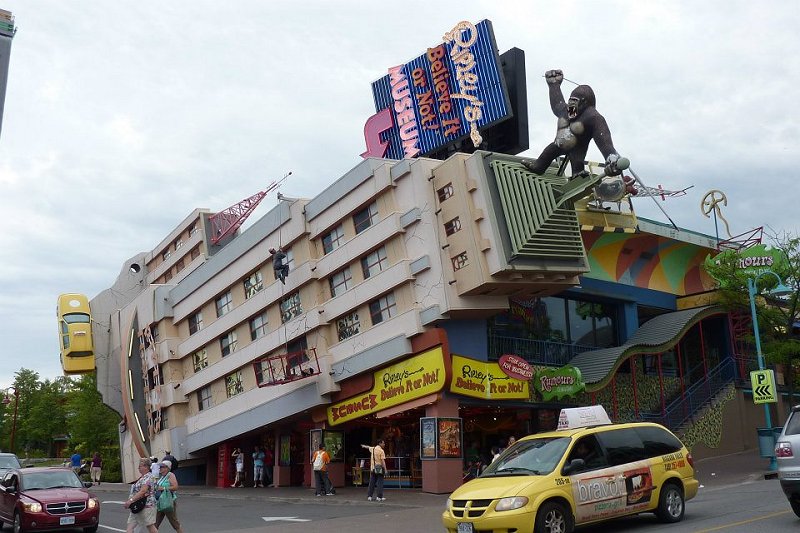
[(654, 336)]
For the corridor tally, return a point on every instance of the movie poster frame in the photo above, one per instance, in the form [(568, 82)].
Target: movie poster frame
[(427, 428), (285, 451), (330, 438), (314, 440), (440, 453)]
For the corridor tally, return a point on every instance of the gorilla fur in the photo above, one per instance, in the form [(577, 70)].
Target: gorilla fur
[(578, 123)]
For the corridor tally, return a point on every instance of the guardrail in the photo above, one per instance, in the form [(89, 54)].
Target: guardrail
[(537, 352)]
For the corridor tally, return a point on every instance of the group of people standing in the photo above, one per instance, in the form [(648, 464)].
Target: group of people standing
[(263, 466), (154, 479), (377, 471), (93, 466)]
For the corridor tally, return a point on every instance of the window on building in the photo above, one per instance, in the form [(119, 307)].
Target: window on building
[(366, 217), (204, 398), (195, 252), (253, 283), (258, 326), (200, 359), (166, 254), (348, 326), (233, 383), (167, 275), (154, 331), (227, 343), (179, 265), (460, 261), (374, 262), (333, 239), (445, 192), (178, 244), (224, 304), (164, 419), (195, 323), (291, 307), (452, 226), (382, 309), (340, 282), (193, 229)]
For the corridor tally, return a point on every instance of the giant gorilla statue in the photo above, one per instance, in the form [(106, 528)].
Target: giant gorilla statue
[(578, 123)]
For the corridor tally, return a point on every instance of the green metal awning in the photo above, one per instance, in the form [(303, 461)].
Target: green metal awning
[(654, 336)]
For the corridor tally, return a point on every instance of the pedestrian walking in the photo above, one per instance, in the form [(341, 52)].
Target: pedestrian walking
[(269, 464), (169, 457), (167, 482), (238, 458), (258, 467), (320, 462), (143, 488), (154, 466), (97, 467), (75, 462), (377, 470)]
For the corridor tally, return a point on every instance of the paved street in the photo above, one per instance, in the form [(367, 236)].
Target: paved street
[(734, 498)]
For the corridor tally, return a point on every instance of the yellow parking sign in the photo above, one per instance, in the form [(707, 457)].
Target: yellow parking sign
[(763, 383)]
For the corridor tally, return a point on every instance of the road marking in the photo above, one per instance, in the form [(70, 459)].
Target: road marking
[(284, 519), (734, 524), (112, 528), (112, 501)]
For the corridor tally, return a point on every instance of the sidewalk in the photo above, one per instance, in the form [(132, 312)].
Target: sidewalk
[(731, 469)]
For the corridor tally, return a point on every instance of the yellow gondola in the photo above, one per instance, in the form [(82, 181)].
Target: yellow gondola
[(75, 334)]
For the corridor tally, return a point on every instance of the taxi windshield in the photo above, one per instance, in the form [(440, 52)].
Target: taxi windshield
[(529, 457)]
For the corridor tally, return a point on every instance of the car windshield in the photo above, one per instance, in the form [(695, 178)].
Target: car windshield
[(9, 461), (77, 318), (50, 479), (529, 457)]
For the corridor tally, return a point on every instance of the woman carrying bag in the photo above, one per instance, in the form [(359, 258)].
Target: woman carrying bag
[(142, 501), (377, 469), (167, 500)]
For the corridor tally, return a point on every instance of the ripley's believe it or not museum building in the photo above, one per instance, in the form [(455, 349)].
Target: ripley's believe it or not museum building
[(439, 296)]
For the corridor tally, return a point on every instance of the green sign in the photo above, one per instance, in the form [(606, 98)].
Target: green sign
[(763, 383), (751, 261), (558, 382)]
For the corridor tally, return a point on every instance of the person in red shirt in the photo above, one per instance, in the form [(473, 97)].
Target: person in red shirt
[(269, 464), (320, 462)]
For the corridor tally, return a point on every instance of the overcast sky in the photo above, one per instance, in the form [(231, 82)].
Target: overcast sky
[(121, 117)]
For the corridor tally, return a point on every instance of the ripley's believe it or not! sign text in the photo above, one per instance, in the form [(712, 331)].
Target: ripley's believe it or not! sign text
[(407, 380), (448, 93), (481, 379)]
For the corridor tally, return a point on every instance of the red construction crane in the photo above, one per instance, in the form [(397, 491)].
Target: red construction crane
[(229, 220)]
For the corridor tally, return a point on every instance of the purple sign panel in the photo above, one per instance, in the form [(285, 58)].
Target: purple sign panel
[(446, 95)]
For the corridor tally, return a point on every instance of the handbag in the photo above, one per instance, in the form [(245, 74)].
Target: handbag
[(165, 500), (377, 468), (136, 506)]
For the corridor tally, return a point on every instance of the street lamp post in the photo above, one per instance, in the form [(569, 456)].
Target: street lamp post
[(781, 289), (7, 400)]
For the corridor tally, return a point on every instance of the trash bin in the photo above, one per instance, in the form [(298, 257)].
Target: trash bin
[(766, 441)]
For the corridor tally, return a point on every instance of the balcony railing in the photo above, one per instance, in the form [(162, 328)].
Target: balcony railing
[(536, 352)]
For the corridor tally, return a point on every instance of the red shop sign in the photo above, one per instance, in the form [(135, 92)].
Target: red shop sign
[(515, 367)]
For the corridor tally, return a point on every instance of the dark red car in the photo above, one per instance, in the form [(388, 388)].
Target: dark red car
[(47, 499)]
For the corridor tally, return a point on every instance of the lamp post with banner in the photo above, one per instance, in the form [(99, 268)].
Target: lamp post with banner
[(779, 290), (8, 392)]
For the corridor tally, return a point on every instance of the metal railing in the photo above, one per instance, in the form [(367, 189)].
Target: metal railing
[(697, 396), (538, 352)]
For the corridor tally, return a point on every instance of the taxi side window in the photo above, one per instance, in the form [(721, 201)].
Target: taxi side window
[(658, 441), (622, 446), (588, 449)]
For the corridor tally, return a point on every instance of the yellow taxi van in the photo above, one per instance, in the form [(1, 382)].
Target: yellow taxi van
[(588, 470), (75, 333)]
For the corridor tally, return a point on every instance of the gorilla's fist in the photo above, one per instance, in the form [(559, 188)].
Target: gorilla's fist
[(554, 77)]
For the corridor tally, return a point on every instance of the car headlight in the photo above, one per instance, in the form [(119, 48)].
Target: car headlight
[(32, 507), (449, 503), (509, 504), (93, 503)]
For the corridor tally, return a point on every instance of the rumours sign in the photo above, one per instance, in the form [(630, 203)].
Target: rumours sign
[(558, 382)]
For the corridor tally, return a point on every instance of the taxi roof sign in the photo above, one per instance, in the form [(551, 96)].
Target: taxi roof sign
[(582, 417)]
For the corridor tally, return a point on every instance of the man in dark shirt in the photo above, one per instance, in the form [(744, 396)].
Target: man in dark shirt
[(279, 264), (171, 459)]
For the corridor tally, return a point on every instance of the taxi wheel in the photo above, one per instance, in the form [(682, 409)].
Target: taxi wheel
[(553, 517), (671, 504)]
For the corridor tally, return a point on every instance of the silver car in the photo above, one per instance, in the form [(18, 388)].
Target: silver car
[(787, 451)]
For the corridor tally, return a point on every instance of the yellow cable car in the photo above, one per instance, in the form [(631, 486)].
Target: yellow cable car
[(75, 334)]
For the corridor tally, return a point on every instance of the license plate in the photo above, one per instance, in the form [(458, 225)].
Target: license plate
[(465, 527), (69, 520)]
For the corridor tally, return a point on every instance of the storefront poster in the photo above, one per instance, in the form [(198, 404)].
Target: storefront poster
[(316, 440), (449, 438), (486, 380), (286, 451), (427, 438), (334, 445), (397, 384)]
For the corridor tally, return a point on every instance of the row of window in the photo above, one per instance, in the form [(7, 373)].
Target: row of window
[(177, 244), (361, 221)]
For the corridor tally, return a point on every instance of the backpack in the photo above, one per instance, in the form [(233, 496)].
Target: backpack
[(318, 461)]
